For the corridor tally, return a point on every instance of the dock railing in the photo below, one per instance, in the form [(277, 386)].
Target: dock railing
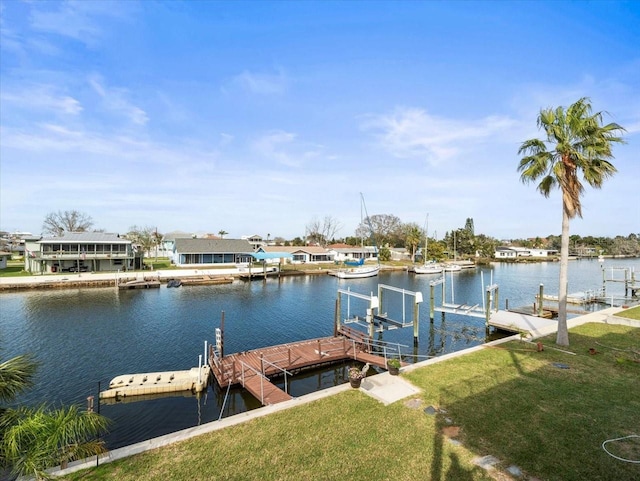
[(388, 349), (278, 368), (258, 373)]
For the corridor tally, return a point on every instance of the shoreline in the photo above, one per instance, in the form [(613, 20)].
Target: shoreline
[(110, 279)]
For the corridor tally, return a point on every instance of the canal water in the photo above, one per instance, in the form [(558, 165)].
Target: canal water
[(85, 337)]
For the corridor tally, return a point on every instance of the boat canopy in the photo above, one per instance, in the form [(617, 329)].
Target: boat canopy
[(355, 263), (261, 256)]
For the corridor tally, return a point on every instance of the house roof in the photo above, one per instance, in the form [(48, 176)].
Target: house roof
[(271, 255), (85, 237), (292, 249), (208, 246), (350, 249)]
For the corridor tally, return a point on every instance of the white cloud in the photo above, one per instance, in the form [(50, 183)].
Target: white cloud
[(80, 20), (412, 132), (42, 97), (262, 83), (115, 100), (273, 145)]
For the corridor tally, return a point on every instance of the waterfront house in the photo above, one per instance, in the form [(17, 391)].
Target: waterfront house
[(209, 252), (80, 252), (344, 252), (504, 252), (301, 254)]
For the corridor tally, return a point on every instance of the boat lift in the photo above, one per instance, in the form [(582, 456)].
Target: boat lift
[(379, 321), (489, 301)]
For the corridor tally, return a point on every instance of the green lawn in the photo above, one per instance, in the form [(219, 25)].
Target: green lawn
[(510, 402), (633, 313), (14, 270)]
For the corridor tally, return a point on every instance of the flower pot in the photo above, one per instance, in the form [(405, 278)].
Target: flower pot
[(355, 382), (394, 371)]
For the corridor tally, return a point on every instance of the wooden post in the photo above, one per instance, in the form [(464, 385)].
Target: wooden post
[(487, 312), (289, 356), (336, 317), (222, 336), (497, 299), (370, 322), (262, 363), (416, 322), (432, 300), (319, 350), (444, 289), (540, 297)]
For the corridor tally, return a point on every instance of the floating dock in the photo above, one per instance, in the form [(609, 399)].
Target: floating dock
[(517, 322), (195, 380)]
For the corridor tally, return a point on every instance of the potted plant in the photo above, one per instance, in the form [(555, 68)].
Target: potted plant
[(393, 365), (357, 375)]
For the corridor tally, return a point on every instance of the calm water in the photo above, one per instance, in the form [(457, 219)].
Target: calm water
[(85, 336)]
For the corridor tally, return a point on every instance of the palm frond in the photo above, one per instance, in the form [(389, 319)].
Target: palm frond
[(16, 375)]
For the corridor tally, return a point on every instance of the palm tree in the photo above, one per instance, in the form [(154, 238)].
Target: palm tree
[(413, 239), (577, 143), (222, 233), (34, 439)]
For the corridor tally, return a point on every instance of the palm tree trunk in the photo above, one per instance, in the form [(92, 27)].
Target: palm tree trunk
[(562, 337)]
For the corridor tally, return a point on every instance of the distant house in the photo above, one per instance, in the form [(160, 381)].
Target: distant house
[(504, 252), (255, 240), (4, 257), (79, 252), (301, 254), (207, 252), (343, 252), (399, 254)]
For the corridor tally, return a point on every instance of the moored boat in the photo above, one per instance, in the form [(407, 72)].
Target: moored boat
[(428, 268), (355, 272)]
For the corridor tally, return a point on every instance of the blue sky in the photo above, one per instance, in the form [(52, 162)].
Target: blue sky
[(260, 117)]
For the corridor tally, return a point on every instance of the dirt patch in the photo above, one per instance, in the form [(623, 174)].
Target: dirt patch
[(451, 431)]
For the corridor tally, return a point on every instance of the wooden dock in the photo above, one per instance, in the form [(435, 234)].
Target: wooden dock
[(253, 369), (206, 280), (139, 284)]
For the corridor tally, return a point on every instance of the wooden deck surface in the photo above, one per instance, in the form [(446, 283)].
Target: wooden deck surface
[(253, 369)]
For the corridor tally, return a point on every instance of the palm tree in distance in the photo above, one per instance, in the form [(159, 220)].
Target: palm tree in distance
[(577, 143), (222, 233)]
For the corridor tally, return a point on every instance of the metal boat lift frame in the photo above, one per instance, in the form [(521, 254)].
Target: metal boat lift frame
[(380, 317), (490, 301)]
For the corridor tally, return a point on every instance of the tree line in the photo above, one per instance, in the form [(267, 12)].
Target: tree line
[(386, 231)]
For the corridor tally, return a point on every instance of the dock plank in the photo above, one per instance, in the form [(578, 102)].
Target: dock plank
[(245, 367)]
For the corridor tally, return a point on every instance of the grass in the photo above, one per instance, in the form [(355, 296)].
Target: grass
[(510, 402), (633, 313), (13, 270)]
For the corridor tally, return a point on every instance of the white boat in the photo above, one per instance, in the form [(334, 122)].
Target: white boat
[(357, 269), (452, 267), (428, 268), (355, 272)]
